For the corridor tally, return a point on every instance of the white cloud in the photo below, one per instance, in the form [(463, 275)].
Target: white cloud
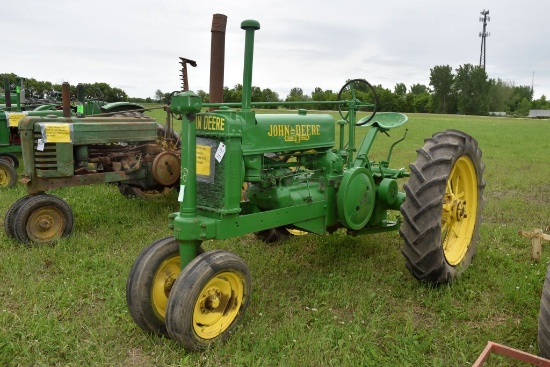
[(135, 45)]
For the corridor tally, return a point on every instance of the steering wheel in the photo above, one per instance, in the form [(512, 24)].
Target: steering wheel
[(364, 95)]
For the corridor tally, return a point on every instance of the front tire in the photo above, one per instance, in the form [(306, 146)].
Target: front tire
[(442, 212), (150, 282), (10, 216), (208, 299), (8, 174), (42, 219)]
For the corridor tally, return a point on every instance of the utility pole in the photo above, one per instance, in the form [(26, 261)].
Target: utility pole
[(484, 34)]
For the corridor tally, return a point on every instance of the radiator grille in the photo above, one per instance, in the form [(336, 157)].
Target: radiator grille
[(211, 192), (46, 159)]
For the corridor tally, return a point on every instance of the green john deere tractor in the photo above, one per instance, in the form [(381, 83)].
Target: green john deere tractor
[(17, 105), (300, 179)]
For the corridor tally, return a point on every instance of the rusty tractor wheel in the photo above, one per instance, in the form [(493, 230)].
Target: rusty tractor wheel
[(131, 192), (442, 212), (8, 174), (544, 318), (11, 159), (43, 219), (166, 168), (208, 299), (150, 282), (10, 215)]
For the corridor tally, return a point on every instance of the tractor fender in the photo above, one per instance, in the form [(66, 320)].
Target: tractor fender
[(121, 106)]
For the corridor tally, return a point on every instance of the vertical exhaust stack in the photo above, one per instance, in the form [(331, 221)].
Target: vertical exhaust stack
[(217, 58), (7, 93), (250, 26), (66, 99)]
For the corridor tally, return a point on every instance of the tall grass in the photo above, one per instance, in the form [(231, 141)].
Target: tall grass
[(328, 300)]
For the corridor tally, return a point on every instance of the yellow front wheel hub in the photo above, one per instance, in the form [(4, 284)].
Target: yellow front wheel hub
[(45, 224), (459, 213), (218, 304)]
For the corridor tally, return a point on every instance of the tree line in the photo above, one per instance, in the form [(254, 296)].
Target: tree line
[(37, 89), (465, 90)]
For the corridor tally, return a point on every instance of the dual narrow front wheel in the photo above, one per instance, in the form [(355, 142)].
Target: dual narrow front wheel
[(195, 306)]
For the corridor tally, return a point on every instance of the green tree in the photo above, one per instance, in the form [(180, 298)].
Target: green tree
[(541, 104), (519, 94), (417, 89), (400, 89), (296, 95), (270, 96), (472, 87), (500, 95), (205, 97), (441, 79), (159, 95), (319, 94), (233, 95)]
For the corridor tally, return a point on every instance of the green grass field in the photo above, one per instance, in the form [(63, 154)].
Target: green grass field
[(317, 300)]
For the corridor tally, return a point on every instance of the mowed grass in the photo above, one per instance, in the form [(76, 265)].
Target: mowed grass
[(329, 300)]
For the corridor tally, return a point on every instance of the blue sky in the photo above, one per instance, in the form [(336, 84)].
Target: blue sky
[(136, 45)]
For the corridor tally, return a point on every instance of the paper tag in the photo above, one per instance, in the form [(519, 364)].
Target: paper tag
[(182, 193), (57, 133), (40, 145), (220, 152), (14, 118)]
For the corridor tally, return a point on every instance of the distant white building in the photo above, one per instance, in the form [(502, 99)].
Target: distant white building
[(539, 113)]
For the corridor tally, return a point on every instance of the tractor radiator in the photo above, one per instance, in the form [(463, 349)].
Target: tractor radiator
[(210, 175)]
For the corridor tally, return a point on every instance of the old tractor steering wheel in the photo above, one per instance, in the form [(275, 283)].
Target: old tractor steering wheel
[(363, 94)]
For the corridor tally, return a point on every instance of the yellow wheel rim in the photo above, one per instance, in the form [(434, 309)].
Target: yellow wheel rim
[(218, 304), (163, 280), (296, 232), (45, 224), (4, 177), (459, 213)]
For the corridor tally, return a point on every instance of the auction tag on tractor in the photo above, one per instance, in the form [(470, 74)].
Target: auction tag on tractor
[(182, 193), (40, 145), (13, 118), (56, 132), (220, 152)]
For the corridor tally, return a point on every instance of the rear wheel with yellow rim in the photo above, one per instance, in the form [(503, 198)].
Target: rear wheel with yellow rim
[(208, 299), (442, 212)]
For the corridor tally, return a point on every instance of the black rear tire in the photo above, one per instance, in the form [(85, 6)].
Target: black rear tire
[(442, 212), (544, 318)]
